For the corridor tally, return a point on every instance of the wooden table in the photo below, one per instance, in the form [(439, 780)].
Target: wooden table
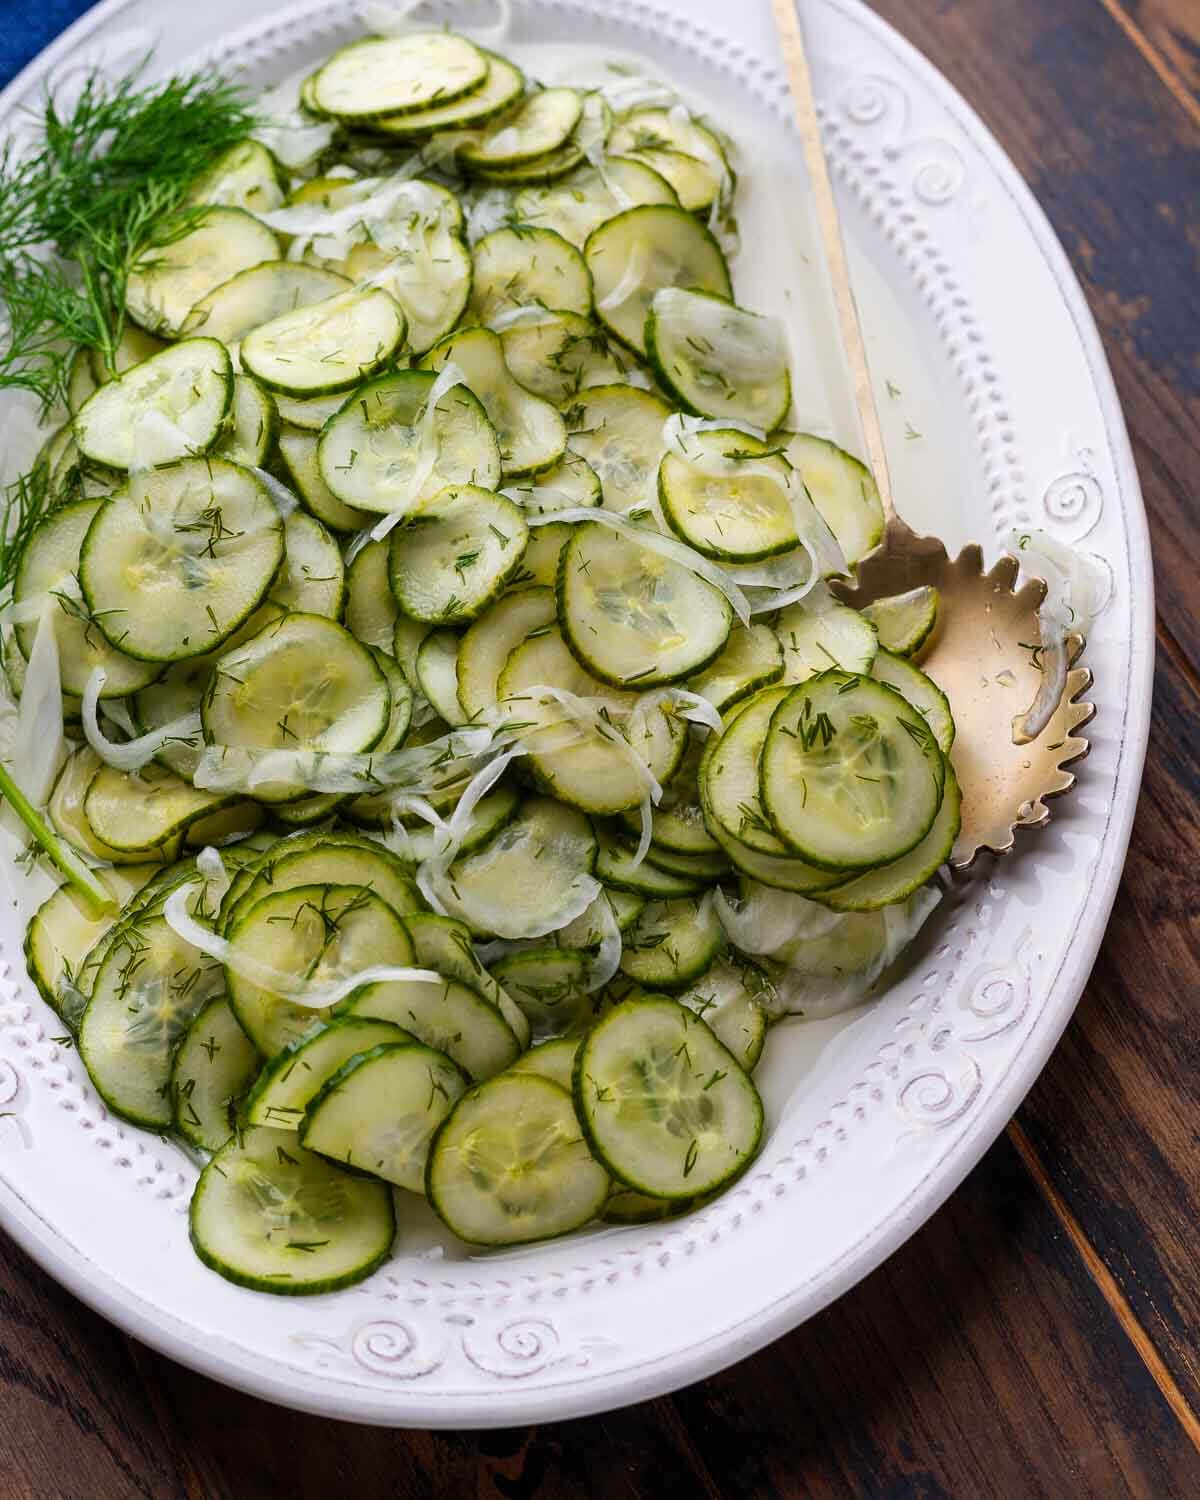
[(1040, 1335)]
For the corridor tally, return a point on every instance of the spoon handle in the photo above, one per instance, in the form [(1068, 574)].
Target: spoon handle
[(795, 57)]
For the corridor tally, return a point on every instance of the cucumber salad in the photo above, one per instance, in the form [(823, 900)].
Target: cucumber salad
[(425, 672)]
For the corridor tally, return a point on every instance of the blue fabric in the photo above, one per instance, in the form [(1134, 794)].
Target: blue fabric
[(26, 26)]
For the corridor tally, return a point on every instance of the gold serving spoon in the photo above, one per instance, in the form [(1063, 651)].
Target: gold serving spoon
[(984, 652)]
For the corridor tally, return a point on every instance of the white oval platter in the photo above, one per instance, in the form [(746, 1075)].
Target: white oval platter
[(981, 328)]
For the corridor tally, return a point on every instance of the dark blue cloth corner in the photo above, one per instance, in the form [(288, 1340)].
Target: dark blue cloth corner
[(26, 26)]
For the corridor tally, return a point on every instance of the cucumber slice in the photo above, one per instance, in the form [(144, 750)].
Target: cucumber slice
[(319, 933), (245, 176), (919, 690), (624, 1206), (260, 295), (539, 566), (49, 568), (557, 354), (328, 346), (263, 858), (851, 775), (729, 776), (379, 1113), (898, 881), (407, 637), (752, 659), (523, 267), (437, 675), (174, 405), (455, 553), (252, 427), (681, 150), (570, 484), (541, 169), (304, 683), (510, 1165), (451, 1017), (699, 867), (487, 645), (618, 430), (905, 622), (554, 1060), (144, 996), (215, 1063), (501, 88), (385, 450), (269, 1215), (382, 76), (633, 617), (179, 691), (172, 565), (308, 415), (727, 997), (595, 771), (63, 932), (843, 490), (372, 613), (169, 279), (531, 433), (639, 252), (350, 862), (537, 125), (66, 813), (781, 872), (739, 516), (665, 1106), (615, 867), (311, 578), (445, 945), (526, 881), (717, 359), (226, 825), (550, 986), (294, 1077), (673, 943), (147, 808), (817, 634), (577, 204)]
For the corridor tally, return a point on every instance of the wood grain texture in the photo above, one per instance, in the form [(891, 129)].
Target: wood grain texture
[(1116, 165), (1169, 31), (982, 1360)]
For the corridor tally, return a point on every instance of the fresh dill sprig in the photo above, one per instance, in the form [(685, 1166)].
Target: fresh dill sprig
[(104, 181)]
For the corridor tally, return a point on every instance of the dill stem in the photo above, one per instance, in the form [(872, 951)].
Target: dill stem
[(96, 895)]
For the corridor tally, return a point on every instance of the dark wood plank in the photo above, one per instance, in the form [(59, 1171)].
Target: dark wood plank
[(1115, 162), (74, 1416), (980, 1361), (1171, 29)]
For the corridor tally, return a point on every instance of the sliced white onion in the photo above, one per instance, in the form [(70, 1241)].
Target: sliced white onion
[(285, 502), (533, 316), (665, 546), (420, 769), (630, 280), (266, 976), (1078, 588), (38, 745), (608, 956), (453, 833), (765, 920), (133, 755), (428, 451)]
